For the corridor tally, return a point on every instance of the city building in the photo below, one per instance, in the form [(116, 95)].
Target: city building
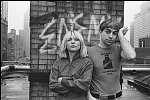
[(11, 46), (142, 23), (24, 35), (132, 34), (143, 51), (22, 40), (4, 10), (27, 32), (140, 34), (144, 42), (143, 55), (19, 49), (4, 29)]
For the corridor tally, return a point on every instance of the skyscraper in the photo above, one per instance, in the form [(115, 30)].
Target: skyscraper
[(132, 34), (24, 36), (140, 34), (142, 23), (4, 10), (27, 32), (11, 52), (4, 29)]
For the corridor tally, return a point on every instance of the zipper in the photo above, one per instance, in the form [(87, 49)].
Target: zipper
[(69, 68)]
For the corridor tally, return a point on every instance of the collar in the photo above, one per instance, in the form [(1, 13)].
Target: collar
[(76, 56)]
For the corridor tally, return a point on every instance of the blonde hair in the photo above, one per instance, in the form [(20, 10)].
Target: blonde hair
[(63, 47)]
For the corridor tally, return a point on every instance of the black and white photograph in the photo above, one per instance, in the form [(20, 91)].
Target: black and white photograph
[(75, 50)]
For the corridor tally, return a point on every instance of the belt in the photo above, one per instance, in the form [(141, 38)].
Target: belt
[(98, 96)]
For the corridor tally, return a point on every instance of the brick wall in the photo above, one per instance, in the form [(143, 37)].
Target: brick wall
[(46, 38), (49, 21)]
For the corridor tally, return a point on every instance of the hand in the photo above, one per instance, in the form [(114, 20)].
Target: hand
[(59, 79), (64, 81), (66, 78), (123, 30)]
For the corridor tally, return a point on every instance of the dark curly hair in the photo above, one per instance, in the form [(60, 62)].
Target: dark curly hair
[(110, 23)]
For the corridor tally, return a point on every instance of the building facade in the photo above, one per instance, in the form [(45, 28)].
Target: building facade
[(142, 23), (144, 42), (143, 51), (140, 35), (16, 51), (11, 51), (23, 47), (24, 38), (132, 34), (19, 49), (26, 28), (4, 10), (4, 29), (143, 55)]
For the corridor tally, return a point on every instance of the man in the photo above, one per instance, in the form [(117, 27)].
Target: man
[(106, 57)]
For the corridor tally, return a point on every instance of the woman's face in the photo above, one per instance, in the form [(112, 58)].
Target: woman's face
[(73, 43)]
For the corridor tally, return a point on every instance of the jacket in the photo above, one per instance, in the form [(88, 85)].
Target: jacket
[(76, 79)]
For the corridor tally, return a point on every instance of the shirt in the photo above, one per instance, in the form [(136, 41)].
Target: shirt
[(106, 71)]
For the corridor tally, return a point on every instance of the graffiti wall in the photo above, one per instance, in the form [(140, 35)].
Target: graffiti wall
[(49, 22)]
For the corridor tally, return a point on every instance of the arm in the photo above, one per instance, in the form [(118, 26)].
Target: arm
[(81, 84), (128, 51), (54, 84)]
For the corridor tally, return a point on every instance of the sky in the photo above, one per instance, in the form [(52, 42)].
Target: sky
[(16, 10), (131, 8)]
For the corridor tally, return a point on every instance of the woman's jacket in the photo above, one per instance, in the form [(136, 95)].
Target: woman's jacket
[(76, 76)]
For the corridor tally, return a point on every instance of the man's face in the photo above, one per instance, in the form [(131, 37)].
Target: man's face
[(108, 36)]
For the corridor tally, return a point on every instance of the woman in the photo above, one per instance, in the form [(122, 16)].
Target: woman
[(72, 72)]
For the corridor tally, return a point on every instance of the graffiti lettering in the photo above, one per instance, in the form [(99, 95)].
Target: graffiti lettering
[(47, 37), (73, 23), (93, 22), (62, 22)]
